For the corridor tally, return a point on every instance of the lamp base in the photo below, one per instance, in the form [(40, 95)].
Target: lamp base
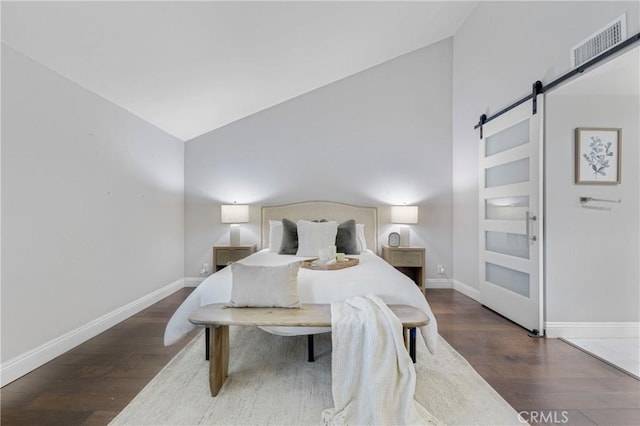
[(405, 236), (234, 235)]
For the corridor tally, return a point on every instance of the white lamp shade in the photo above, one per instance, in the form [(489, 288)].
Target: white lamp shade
[(234, 213), (404, 214)]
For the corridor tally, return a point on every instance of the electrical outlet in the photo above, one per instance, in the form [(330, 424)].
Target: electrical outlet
[(204, 269), (440, 270)]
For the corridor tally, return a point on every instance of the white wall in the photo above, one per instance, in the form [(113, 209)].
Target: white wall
[(592, 255), (92, 207), (499, 52), (379, 137)]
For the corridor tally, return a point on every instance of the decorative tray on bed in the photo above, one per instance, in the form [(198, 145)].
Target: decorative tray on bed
[(314, 264)]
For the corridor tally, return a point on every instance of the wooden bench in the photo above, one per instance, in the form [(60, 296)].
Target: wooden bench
[(218, 318)]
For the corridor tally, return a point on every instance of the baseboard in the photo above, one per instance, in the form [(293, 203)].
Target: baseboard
[(593, 330), (193, 281), (467, 290), (438, 283), (30, 360)]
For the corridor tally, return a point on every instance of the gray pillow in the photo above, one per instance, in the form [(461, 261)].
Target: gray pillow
[(346, 239), (289, 237)]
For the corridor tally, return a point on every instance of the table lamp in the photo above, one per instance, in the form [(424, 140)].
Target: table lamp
[(235, 214), (404, 215)]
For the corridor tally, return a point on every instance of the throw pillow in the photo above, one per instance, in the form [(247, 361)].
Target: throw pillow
[(264, 286), (289, 237), (346, 239)]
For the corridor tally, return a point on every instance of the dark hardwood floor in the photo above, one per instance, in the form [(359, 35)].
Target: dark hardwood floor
[(92, 383), (545, 378)]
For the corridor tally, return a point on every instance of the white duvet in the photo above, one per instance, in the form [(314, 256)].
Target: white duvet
[(371, 276)]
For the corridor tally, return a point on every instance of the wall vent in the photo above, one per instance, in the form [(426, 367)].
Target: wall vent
[(604, 39)]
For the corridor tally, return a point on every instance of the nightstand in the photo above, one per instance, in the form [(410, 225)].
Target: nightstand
[(408, 260), (225, 255)]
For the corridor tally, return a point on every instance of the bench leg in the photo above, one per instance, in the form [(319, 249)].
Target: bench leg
[(219, 358), (409, 335), (310, 352), (207, 340), (412, 344)]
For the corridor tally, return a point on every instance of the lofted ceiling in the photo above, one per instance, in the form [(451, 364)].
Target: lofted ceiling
[(191, 67)]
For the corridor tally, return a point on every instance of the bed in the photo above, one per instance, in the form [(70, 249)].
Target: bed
[(371, 276)]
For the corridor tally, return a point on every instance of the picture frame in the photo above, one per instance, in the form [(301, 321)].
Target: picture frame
[(598, 155), (394, 239)]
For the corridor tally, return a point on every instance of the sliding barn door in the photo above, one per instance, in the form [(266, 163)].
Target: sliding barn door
[(511, 200)]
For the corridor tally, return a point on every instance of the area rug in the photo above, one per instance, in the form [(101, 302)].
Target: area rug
[(271, 382)]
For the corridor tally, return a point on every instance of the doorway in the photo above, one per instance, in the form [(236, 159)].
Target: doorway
[(592, 248)]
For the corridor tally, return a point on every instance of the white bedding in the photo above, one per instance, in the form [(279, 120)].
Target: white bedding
[(371, 276)]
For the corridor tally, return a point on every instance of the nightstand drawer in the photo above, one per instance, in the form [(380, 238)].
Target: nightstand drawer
[(406, 258), (224, 255), (227, 255)]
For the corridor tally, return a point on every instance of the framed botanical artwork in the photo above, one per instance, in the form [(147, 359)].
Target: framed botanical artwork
[(598, 155)]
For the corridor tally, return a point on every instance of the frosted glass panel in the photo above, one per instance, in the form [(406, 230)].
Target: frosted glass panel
[(506, 208), (509, 279), (511, 137), (505, 243), (508, 173)]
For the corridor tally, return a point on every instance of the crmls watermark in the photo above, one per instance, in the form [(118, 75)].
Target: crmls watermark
[(547, 417)]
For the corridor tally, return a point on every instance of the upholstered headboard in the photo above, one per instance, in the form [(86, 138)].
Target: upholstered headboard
[(312, 210)]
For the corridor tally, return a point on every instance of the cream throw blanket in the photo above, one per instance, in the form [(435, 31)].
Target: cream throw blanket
[(373, 377)]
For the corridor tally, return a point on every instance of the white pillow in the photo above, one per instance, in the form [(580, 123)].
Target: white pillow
[(275, 235), (362, 242), (265, 286), (313, 236)]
